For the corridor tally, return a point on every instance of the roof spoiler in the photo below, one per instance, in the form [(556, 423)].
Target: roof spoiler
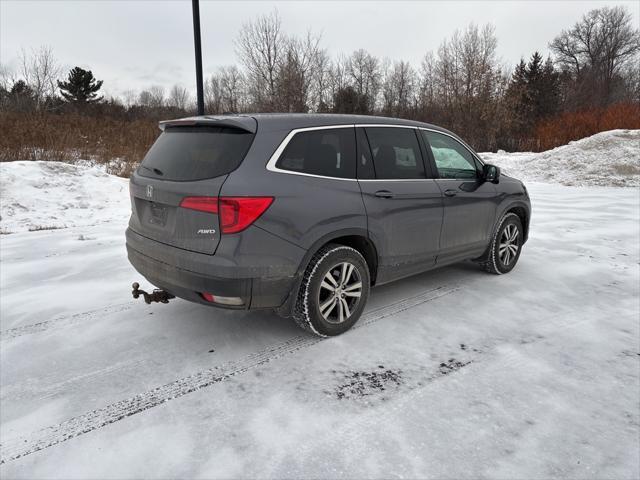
[(248, 124)]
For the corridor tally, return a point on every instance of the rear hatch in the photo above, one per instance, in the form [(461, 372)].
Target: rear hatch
[(191, 158)]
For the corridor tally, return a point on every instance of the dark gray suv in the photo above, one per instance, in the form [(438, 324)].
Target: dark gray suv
[(304, 213)]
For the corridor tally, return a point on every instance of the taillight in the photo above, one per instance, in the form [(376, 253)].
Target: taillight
[(202, 204), (236, 213)]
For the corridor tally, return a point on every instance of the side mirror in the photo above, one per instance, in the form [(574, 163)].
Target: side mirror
[(491, 173)]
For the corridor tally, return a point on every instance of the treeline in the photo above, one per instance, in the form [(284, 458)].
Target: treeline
[(591, 82)]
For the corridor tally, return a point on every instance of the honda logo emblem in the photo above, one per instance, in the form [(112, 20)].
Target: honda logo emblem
[(149, 191)]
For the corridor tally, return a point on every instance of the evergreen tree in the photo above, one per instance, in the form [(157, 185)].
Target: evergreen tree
[(535, 87), (81, 87), (21, 97), (533, 94), (348, 100), (550, 91), (519, 76), (517, 101)]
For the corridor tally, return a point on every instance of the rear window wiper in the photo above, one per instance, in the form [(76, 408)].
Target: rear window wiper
[(157, 171)]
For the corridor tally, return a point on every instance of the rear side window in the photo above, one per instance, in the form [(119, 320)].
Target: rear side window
[(195, 153), (396, 153), (328, 152)]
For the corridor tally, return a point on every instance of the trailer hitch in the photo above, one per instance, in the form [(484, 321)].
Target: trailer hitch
[(158, 295)]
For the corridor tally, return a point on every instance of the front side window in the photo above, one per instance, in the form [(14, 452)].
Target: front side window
[(453, 160), (396, 153), (326, 152)]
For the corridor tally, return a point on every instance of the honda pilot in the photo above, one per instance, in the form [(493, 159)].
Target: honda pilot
[(304, 213)]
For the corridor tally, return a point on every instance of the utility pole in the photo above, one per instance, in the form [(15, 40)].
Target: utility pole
[(198, 48)]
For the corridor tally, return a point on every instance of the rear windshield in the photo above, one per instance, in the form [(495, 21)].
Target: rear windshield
[(195, 153)]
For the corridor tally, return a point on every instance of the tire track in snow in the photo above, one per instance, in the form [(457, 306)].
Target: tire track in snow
[(42, 389), (21, 446), (64, 320)]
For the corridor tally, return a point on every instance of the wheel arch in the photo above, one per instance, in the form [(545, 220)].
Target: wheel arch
[(355, 238), (523, 212)]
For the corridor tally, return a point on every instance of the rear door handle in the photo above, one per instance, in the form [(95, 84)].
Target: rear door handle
[(450, 193), (384, 194)]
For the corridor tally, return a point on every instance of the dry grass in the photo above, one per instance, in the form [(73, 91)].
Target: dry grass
[(569, 126), (117, 142)]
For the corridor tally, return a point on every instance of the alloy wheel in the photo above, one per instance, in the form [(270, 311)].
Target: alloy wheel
[(340, 292), (509, 244)]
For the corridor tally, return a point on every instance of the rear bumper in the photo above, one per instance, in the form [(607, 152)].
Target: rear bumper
[(186, 274)]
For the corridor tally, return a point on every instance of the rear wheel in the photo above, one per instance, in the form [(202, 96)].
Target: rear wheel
[(506, 245), (334, 291)]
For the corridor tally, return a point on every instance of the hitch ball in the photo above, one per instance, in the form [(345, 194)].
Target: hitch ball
[(157, 296)]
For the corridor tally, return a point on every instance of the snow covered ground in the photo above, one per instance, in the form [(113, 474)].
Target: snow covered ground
[(607, 159), (52, 195), (451, 374)]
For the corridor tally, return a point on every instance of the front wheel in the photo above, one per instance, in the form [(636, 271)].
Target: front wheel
[(506, 245), (334, 291)]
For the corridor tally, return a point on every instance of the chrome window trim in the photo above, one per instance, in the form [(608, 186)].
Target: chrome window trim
[(384, 125), (271, 164), (397, 179)]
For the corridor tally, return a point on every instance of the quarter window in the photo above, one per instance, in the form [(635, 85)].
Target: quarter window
[(396, 153), (453, 160), (326, 152)]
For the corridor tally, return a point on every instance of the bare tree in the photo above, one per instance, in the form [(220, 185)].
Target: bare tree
[(178, 97), (157, 96), (261, 47), (338, 78), (296, 73), (145, 98), (466, 79), (398, 89), (213, 95), (597, 48), (153, 97), (427, 83), (321, 86), (231, 83), (7, 77), (225, 91), (129, 98), (364, 72), (40, 71)]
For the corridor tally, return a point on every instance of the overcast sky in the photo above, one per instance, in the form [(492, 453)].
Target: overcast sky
[(135, 44)]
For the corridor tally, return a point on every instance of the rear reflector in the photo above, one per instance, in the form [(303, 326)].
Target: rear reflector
[(236, 213), (234, 301)]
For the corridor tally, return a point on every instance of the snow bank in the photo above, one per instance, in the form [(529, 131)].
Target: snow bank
[(607, 159), (51, 195)]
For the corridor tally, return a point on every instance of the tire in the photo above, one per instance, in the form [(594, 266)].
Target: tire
[(325, 307), (506, 245)]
